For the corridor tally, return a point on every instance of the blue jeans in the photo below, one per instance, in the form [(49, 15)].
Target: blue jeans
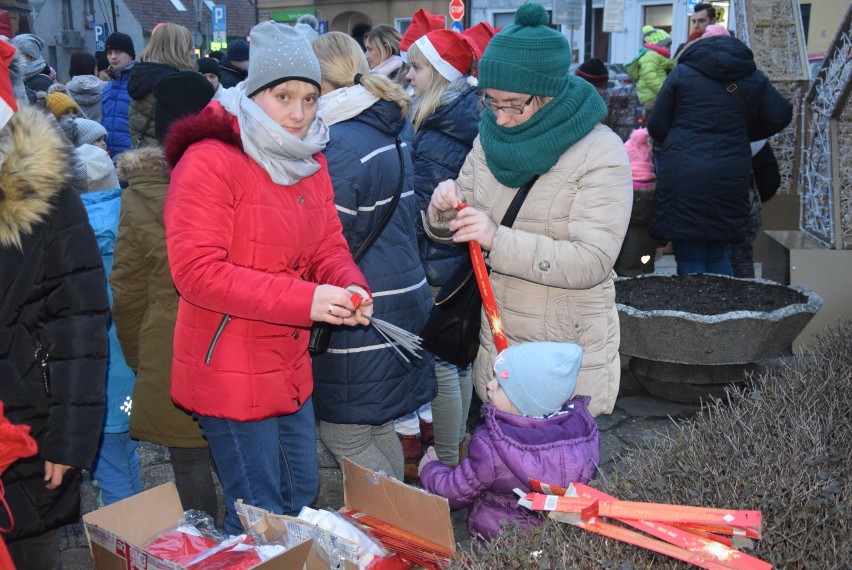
[(115, 471), (702, 257), (271, 463)]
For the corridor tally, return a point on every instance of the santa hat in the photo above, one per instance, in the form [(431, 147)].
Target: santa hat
[(479, 36), (449, 53), (8, 106), (422, 22)]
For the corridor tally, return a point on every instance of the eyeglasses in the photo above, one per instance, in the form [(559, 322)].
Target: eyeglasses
[(508, 109)]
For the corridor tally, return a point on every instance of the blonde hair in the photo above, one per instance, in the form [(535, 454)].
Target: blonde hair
[(430, 98), (340, 58), (170, 44), (384, 39)]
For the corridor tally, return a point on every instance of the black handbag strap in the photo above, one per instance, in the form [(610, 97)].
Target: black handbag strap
[(517, 202), (740, 101), (374, 235)]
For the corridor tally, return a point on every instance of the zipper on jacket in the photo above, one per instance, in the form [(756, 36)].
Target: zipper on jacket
[(41, 357), (216, 335)]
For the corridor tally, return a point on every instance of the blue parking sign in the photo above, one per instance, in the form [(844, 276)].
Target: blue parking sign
[(101, 33), (220, 13)]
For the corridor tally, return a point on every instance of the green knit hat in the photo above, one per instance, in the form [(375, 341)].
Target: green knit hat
[(656, 37), (527, 57)]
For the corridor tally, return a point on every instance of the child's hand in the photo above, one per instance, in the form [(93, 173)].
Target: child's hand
[(428, 457)]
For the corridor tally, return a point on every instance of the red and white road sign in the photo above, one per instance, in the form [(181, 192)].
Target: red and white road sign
[(456, 10)]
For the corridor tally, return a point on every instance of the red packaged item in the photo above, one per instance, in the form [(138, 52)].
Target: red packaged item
[(236, 553), (181, 545)]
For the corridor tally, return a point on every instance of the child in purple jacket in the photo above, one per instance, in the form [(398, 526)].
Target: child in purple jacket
[(530, 431)]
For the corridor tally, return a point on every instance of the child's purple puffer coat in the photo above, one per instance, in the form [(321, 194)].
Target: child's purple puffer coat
[(505, 453)]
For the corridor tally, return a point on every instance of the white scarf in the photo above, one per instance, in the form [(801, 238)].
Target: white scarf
[(344, 103), (287, 159)]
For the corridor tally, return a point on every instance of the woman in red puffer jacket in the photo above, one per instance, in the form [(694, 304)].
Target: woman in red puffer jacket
[(257, 254)]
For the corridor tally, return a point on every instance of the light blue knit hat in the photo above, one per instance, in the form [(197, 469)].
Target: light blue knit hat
[(539, 377)]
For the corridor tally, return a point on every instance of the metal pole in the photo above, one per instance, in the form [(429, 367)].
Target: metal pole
[(114, 18), (587, 48)]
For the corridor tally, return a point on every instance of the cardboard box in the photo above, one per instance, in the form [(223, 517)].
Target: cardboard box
[(394, 503), (273, 527), (117, 533)]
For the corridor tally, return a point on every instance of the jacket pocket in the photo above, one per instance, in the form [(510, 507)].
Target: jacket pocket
[(225, 320), (568, 321)]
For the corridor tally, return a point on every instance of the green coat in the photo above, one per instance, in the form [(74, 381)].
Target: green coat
[(650, 68), (145, 301)]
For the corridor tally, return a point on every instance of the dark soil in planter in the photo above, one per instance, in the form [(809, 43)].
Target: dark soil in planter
[(703, 294)]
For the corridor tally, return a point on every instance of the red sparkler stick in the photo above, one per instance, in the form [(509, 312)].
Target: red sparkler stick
[(488, 300)]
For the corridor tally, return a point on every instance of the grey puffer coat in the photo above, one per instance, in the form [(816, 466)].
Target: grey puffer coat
[(86, 92)]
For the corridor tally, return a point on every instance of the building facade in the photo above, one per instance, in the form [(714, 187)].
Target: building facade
[(572, 17), (70, 25)]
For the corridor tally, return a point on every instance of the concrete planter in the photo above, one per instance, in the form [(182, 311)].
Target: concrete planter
[(687, 357), (739, 337)]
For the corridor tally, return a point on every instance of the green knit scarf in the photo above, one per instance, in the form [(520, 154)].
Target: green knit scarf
[(516, 154)]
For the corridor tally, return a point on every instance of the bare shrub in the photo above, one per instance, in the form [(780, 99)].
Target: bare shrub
[(780, 444)]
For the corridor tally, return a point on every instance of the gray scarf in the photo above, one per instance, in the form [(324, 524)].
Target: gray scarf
[(34, 68), (115, 72), (284, 157)]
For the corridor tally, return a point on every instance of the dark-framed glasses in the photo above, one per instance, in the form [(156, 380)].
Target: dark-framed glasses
[(508, 109)]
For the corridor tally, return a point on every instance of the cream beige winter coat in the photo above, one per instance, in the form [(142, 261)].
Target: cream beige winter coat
[(552, 271)]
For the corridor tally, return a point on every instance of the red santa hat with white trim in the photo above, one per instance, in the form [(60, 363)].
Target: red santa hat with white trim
[(480, 34), (449, 52), (422, 22), (8, 105)]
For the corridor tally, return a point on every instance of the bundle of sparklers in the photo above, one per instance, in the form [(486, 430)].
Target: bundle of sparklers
[(398, 338)]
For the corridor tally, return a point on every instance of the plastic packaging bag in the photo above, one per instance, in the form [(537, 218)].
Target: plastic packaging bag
[(195, 543), (371, 554)]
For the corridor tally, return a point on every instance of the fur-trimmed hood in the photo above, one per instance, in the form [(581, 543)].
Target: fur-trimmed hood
[(149, 160), (147, 176), (35, 165), (213, 122)]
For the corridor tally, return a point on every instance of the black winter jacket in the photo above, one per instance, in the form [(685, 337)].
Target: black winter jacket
[(53, 316), (704, 159), (439, 148), (230, 75)]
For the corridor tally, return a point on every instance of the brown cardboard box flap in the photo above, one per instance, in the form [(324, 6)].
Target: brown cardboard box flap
[(140, 518), (403, 506)]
